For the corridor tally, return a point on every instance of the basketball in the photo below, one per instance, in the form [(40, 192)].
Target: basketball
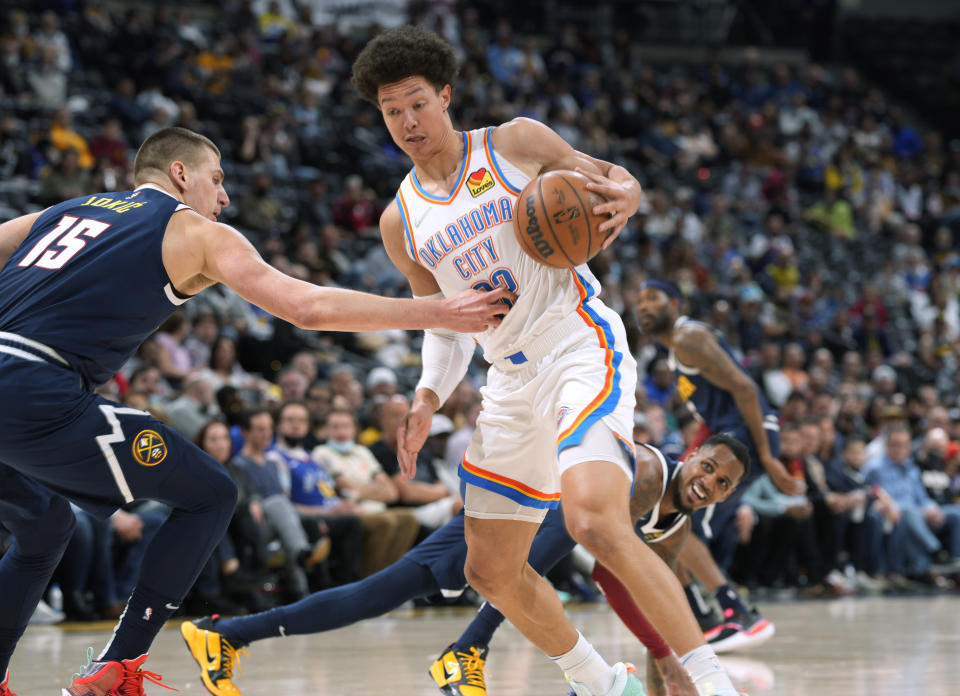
[(555, 224)]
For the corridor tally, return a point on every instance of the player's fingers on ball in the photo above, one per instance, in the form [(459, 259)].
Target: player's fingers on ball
[(593, 176), (607, 208)]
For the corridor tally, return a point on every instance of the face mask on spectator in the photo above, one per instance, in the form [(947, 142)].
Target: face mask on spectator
[(341, 447), (291, 441)]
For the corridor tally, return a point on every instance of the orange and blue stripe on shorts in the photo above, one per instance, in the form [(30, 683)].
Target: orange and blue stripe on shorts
[(514, 490), (606, 401)]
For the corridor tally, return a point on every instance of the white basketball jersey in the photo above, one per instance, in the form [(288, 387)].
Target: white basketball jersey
[(467, 240)]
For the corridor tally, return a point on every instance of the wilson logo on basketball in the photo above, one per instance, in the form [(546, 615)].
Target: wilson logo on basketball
[(479, 181), (533, 230)]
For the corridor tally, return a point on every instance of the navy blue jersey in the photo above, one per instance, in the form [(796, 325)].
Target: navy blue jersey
[(89, 281), (652, 527), (714, 405)]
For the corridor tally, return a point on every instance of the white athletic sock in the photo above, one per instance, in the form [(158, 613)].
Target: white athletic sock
[(707, 674), (583, 664)]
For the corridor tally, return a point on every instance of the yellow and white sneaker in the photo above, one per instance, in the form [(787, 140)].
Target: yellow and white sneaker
[(215, 655)]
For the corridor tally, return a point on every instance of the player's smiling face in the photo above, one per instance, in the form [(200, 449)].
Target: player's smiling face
[(708, 476), (204, 192), (415, 114)]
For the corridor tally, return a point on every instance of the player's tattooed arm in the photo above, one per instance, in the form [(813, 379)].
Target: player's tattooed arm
[(698, 347), (648, 483)]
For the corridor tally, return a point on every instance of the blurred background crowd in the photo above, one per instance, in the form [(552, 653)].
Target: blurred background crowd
[(805, 203)]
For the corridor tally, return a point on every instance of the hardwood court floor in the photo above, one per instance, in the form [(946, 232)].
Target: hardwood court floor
[(852, 647)]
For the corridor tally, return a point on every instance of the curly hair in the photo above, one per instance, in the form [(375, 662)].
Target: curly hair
[(401, 53)]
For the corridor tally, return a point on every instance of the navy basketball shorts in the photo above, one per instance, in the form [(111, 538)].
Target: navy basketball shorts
[(709, 523), (97, 453)]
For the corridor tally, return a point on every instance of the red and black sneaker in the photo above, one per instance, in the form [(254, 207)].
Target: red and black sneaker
[(5, 686), (742, 630), (113, 678)]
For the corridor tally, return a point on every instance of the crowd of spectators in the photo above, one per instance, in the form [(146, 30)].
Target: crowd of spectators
[(797, 208)]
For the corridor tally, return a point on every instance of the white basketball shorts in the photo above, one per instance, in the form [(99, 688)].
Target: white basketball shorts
[(541, 401)]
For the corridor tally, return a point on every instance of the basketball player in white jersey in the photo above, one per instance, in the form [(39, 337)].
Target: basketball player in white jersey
[(558, 406)]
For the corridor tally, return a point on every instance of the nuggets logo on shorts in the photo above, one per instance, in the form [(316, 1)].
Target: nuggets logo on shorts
[(149, 449), (479, 181)]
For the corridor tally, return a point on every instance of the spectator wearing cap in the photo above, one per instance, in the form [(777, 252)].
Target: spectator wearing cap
[(381, 380), (884, 380), (431, 498)]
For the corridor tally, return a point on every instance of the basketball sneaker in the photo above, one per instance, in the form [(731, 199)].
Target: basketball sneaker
[(624, 684), (460, 672), (214, 654), (113, 678), (5, 686), (711, 624), (742, 630)]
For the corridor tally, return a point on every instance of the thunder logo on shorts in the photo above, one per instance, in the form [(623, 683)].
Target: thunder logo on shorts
[(149, 449)]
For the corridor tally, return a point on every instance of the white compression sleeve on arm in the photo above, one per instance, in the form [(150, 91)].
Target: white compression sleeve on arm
[(446, 356)]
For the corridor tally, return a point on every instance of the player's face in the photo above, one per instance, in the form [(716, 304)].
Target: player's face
[(654, 311), (415, 114), (708, 476), (204, 192)]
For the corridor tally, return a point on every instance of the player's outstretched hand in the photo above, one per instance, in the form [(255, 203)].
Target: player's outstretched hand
[(411, 436), (473, 311), (782, 478), (623, 195)]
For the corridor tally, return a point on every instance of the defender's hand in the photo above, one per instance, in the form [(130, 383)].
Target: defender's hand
[(781, 477), (472, 311)]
